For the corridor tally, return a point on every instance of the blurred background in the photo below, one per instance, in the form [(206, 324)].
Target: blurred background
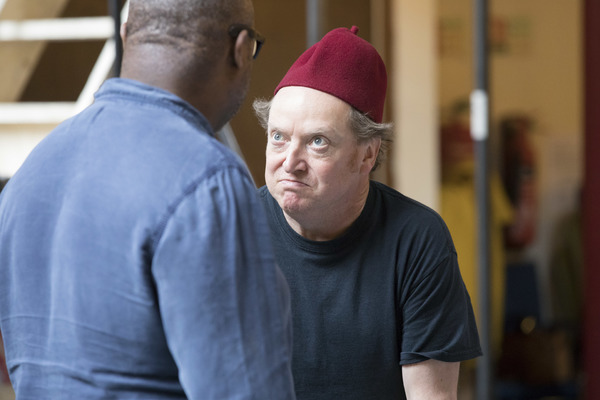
[(544, 190)]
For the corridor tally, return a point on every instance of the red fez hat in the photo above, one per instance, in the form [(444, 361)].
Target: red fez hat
[(345, 66)]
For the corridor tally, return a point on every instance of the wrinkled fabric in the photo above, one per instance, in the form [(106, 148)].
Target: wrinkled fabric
[(135, 264)]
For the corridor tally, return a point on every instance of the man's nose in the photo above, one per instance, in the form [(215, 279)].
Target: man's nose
[(294, 159)]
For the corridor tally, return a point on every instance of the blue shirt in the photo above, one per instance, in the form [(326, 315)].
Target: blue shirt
[(135, 261)]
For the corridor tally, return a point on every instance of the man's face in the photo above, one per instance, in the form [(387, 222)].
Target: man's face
[(314, 164)]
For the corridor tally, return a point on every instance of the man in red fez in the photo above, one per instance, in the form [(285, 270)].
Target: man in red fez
[(380, 310)]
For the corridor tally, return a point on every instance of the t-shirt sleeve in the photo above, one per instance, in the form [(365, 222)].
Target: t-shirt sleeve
[(224, 304), (437, 317)]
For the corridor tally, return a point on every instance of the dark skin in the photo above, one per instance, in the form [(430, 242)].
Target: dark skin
[(216, 90)]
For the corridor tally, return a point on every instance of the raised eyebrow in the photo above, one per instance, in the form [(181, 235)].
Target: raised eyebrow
[(321, 132), (328, 135), (271, 129)]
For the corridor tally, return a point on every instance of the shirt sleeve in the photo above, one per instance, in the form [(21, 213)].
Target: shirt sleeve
[(225, 305), (438, 319)]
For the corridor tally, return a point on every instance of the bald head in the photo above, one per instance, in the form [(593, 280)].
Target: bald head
[(191, 22), (183, 46), (194, 25)]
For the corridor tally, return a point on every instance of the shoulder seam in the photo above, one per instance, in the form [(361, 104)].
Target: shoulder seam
[(191, 188)]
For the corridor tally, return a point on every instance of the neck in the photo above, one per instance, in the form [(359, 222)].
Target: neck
[(178, 72)]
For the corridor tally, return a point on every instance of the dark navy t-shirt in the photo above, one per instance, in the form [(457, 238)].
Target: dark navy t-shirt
[(388, 292)]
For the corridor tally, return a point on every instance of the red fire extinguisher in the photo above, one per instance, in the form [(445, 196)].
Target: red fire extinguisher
[(520, 180)]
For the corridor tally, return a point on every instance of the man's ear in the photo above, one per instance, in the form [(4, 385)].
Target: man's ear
[(242, 49), (371, 151), (123, 32)]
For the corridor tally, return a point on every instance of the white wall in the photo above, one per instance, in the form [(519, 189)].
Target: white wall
[(415, 164), (16, 142)]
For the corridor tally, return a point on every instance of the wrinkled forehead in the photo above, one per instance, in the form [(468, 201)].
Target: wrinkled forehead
[(309, 108)]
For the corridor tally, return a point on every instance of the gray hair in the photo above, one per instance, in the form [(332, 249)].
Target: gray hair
[(363, 127)]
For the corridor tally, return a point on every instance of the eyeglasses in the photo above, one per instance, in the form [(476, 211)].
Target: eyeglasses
[(259, 40)]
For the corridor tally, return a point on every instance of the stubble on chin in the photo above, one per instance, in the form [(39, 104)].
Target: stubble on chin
[(290, 202)]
